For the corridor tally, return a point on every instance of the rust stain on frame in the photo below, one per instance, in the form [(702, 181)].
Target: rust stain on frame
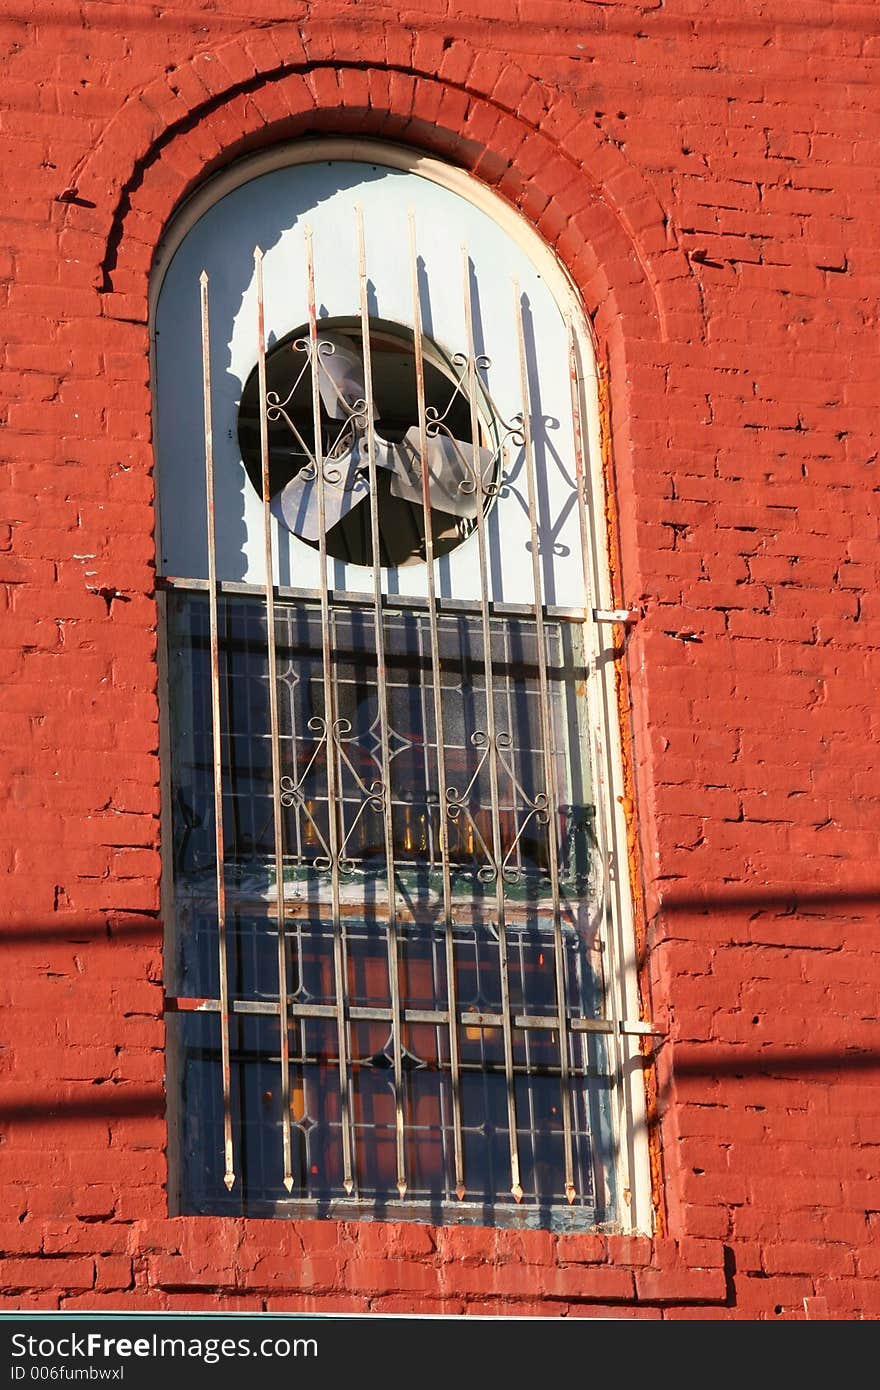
[(628, 800)]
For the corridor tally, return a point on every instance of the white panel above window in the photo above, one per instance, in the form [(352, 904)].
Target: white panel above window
[(272, 212)]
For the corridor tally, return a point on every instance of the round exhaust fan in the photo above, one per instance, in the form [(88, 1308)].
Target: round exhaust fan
[(454, 460)]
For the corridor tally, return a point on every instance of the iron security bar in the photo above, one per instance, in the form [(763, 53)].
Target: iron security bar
[(439, 1018), (329, 733), (384, 791), (273, 715), (550, 794), (391, 603), (229, 1162), (440, 739), (497, 857)]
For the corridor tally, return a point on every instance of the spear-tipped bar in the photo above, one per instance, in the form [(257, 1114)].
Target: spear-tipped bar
[(229, 1165), (339, 954), (278, 830), (439, 723)]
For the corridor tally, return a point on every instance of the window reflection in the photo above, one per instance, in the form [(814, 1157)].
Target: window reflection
[(419, 812)]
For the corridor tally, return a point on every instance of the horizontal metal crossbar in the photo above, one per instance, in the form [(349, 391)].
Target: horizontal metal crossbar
[(615, 615), (342, 598), (468, 1018)]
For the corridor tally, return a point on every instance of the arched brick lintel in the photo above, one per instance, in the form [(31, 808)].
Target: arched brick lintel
[(517, 135)]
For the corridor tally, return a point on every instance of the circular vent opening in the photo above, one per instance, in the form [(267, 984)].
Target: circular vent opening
[(453, 462)]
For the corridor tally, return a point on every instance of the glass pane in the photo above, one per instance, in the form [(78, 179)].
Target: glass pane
[(512, 840)]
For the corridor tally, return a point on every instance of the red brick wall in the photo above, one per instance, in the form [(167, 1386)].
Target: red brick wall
[(710, 181)]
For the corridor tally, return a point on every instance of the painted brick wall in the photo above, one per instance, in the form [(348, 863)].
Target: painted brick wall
[(710, 180)]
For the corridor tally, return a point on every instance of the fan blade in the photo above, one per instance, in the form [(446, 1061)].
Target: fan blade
[(296, 505), (452, 471), (340, 375)]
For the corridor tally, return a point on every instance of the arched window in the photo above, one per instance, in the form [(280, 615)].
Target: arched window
[(400, 965)]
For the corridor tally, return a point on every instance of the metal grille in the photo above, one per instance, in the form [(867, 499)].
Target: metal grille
[(389, 875)]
